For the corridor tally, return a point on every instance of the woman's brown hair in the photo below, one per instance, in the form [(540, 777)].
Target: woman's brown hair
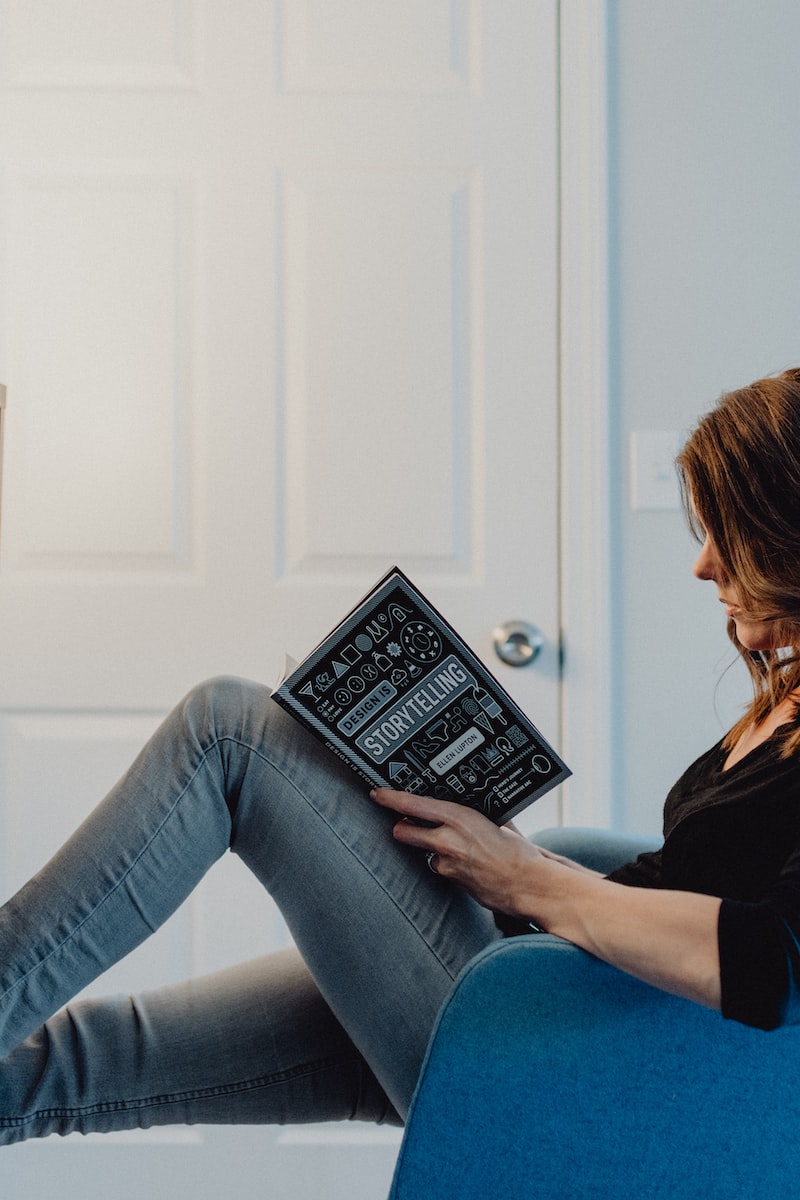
[(740, 477)]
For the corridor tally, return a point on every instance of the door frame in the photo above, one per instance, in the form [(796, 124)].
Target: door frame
[(586, 496)]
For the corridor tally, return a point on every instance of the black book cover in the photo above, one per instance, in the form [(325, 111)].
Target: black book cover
[(395, 692)]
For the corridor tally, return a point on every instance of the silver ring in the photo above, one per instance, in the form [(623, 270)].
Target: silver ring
[(430, 856)]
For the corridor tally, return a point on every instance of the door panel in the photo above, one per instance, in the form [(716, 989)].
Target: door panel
[(278, 309)]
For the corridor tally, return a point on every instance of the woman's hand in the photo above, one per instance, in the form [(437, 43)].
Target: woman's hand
[(666, 938), (495, 865)]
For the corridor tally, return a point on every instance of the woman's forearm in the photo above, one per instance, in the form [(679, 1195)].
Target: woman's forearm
[(666, 938)]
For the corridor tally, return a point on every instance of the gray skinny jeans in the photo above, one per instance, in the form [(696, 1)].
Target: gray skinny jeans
[(335, 1029)]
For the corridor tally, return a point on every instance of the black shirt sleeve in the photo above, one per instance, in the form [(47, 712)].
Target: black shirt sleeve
[(758, 946), (759, 955), (753, 965), (735, 834)]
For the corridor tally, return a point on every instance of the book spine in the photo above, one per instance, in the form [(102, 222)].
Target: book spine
[(355, 766), (374, 779)]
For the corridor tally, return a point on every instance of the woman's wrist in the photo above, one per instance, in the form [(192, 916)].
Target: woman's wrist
[(547, 892)]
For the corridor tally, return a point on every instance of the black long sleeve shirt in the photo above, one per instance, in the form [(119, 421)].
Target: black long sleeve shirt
[(736, 834)]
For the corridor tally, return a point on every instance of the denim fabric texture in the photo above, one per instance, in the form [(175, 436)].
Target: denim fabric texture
[(334, 1029)]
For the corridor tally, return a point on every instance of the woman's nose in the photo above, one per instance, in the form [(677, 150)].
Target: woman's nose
[(705, 566)]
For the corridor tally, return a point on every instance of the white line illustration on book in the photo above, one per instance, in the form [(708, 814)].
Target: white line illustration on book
[(421, 642), (476, 712), (323, 681), (489, 703), (398, 695), (517, 736)]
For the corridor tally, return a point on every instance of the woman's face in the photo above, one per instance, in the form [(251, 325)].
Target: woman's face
[(753, 635)]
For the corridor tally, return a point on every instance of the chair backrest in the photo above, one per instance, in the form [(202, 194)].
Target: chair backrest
[(551, 1074)]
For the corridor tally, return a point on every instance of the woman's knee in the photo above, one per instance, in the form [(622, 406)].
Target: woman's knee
[(222, 703)]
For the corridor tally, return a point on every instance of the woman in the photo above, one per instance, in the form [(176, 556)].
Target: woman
[(338, 1027)]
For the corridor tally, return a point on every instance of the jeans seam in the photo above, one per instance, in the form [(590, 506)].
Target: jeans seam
[(179, 1097), (412, 924)]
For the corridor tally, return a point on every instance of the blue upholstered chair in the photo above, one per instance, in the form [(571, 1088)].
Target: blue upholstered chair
[(551, 1074)]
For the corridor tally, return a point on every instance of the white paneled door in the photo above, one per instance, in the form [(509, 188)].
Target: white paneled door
[(278, 308)]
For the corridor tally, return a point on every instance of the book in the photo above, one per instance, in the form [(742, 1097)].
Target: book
[(397, 694)]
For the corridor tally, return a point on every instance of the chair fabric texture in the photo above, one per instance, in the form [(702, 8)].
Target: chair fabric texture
[(551, 1074)]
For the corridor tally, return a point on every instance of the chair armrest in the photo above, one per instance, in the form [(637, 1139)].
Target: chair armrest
[(551, 1074)]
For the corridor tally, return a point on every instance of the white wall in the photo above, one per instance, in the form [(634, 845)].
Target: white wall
[(705, 296)]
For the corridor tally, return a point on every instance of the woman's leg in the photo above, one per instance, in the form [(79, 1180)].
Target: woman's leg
[(383, 937), (255, 1044)]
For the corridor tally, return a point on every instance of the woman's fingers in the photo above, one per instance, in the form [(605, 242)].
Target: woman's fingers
[(465, 846), (420, 808), (438, 825)]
